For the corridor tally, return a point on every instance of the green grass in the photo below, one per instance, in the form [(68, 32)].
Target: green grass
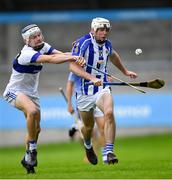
[(147, 157)]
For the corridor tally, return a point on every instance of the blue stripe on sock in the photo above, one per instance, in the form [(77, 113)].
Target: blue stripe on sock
[(32, 142), (109, 147)]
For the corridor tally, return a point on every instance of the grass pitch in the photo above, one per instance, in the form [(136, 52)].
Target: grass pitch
[(147, 157)]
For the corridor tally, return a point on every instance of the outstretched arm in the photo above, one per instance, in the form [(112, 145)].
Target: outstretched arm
[(59, 58), (116, 60)]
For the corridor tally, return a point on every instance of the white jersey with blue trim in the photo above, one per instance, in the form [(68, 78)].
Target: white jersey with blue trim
[(95, 55), (25, 72)]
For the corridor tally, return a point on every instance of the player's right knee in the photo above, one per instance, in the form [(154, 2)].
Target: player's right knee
[(33, 113)]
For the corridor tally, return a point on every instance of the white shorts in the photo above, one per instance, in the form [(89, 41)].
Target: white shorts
[(10, 97), (88, 102), (98, 112)]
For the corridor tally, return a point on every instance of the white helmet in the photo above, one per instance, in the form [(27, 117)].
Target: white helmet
[(100, 23), (29, 30)]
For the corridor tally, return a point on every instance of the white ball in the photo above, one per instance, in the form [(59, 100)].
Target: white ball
[(138, 51)]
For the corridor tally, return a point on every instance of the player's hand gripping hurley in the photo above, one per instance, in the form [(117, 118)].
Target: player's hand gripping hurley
[(116, 78)]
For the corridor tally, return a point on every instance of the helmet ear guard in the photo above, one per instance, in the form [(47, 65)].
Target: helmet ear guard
[(100, 23)]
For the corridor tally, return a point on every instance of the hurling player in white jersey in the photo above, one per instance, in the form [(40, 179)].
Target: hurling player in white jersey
[(22, 89), (97, 50)]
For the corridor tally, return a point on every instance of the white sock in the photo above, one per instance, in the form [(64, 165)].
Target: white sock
[(104, 154), (32, 145), (26, 156), (88, 144)]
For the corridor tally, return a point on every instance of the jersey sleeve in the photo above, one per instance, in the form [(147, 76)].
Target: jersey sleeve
[(48, 49), (76, 49), (72, 77), (28, 56), (81, 45)]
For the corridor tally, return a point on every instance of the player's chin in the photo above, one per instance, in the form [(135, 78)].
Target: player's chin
[(101, 41), (103, 38)]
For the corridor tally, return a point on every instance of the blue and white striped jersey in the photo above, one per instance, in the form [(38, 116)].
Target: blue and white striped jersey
[(25, 72), (95, 55)]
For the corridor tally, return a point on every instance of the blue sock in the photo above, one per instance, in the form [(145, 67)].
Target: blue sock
[(109, 148)]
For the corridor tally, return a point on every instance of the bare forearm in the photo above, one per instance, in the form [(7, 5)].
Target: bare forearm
[(79, 71), (61, 58), (82, 73), (55, 58)]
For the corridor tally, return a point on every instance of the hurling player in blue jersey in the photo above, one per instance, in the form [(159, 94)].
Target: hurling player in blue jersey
[(72, 86), (22, 89), (97, 50)]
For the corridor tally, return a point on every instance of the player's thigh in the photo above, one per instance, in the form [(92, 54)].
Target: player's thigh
[(105, 102), (87, 117), (24, 103)]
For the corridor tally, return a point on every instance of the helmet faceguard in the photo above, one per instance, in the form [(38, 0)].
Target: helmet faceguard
[(100, 23)]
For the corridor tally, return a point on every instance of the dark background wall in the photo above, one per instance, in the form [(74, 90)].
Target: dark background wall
[(37, 5)]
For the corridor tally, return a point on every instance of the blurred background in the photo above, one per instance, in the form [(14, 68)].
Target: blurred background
[(135, 24)]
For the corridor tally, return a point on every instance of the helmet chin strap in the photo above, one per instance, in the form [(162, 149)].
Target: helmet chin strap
[(39, 47), (100, 42)]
